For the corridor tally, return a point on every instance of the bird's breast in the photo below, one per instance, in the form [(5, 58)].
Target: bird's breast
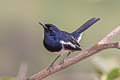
[(63, 51), (52, 44)]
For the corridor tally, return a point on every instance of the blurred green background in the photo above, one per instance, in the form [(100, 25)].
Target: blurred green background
[(21, 36)]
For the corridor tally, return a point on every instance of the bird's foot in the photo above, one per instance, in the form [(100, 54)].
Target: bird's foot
[(62, 62), (50, 67)]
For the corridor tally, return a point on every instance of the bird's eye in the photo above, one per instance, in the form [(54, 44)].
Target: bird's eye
[(50, 28)]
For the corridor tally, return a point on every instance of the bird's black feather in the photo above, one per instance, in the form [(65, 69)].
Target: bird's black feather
[(56, 40), (68, 38), (85, 26)]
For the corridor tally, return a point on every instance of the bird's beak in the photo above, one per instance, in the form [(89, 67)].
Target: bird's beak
[(43, 25)]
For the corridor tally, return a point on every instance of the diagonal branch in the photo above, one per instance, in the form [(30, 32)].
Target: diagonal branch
[(110, 36), (101, 45)]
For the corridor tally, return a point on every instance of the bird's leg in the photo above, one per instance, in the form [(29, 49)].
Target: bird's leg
[(51, 65), (62, 62)]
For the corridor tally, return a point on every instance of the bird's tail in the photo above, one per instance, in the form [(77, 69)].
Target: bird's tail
[(85, 26)]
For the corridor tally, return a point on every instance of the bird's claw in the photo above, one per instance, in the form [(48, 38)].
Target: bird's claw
[(50, 67), (62, 62)]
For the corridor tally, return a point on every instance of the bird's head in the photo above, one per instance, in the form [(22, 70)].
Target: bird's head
[(49, 27)]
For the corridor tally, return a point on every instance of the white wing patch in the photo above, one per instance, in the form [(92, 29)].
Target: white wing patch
[(67, 43), (79, 38)]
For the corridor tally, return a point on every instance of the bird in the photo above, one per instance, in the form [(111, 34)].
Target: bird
[(62, 42)]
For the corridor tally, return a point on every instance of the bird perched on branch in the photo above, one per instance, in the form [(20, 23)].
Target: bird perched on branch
[(61, 42)]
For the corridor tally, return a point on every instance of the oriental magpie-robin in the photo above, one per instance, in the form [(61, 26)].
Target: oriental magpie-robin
[(60, 42)]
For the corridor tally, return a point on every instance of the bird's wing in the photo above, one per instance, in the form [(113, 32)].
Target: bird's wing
[(70, 43), (78, 33), (79, 37)]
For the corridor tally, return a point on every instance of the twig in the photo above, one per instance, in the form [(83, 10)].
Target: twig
[(110, 36), (22, 72), (101, 45)]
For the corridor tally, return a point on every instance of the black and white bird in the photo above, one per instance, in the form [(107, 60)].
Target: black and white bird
[(61, 42)]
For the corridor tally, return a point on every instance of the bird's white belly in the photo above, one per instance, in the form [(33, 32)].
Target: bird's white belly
[(62, 51)]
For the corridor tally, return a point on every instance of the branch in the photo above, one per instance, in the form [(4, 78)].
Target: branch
[(22, 71), (110, 36), (101, 45)]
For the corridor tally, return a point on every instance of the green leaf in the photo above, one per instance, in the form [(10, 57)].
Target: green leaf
[(7, 78), (113, 74)]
